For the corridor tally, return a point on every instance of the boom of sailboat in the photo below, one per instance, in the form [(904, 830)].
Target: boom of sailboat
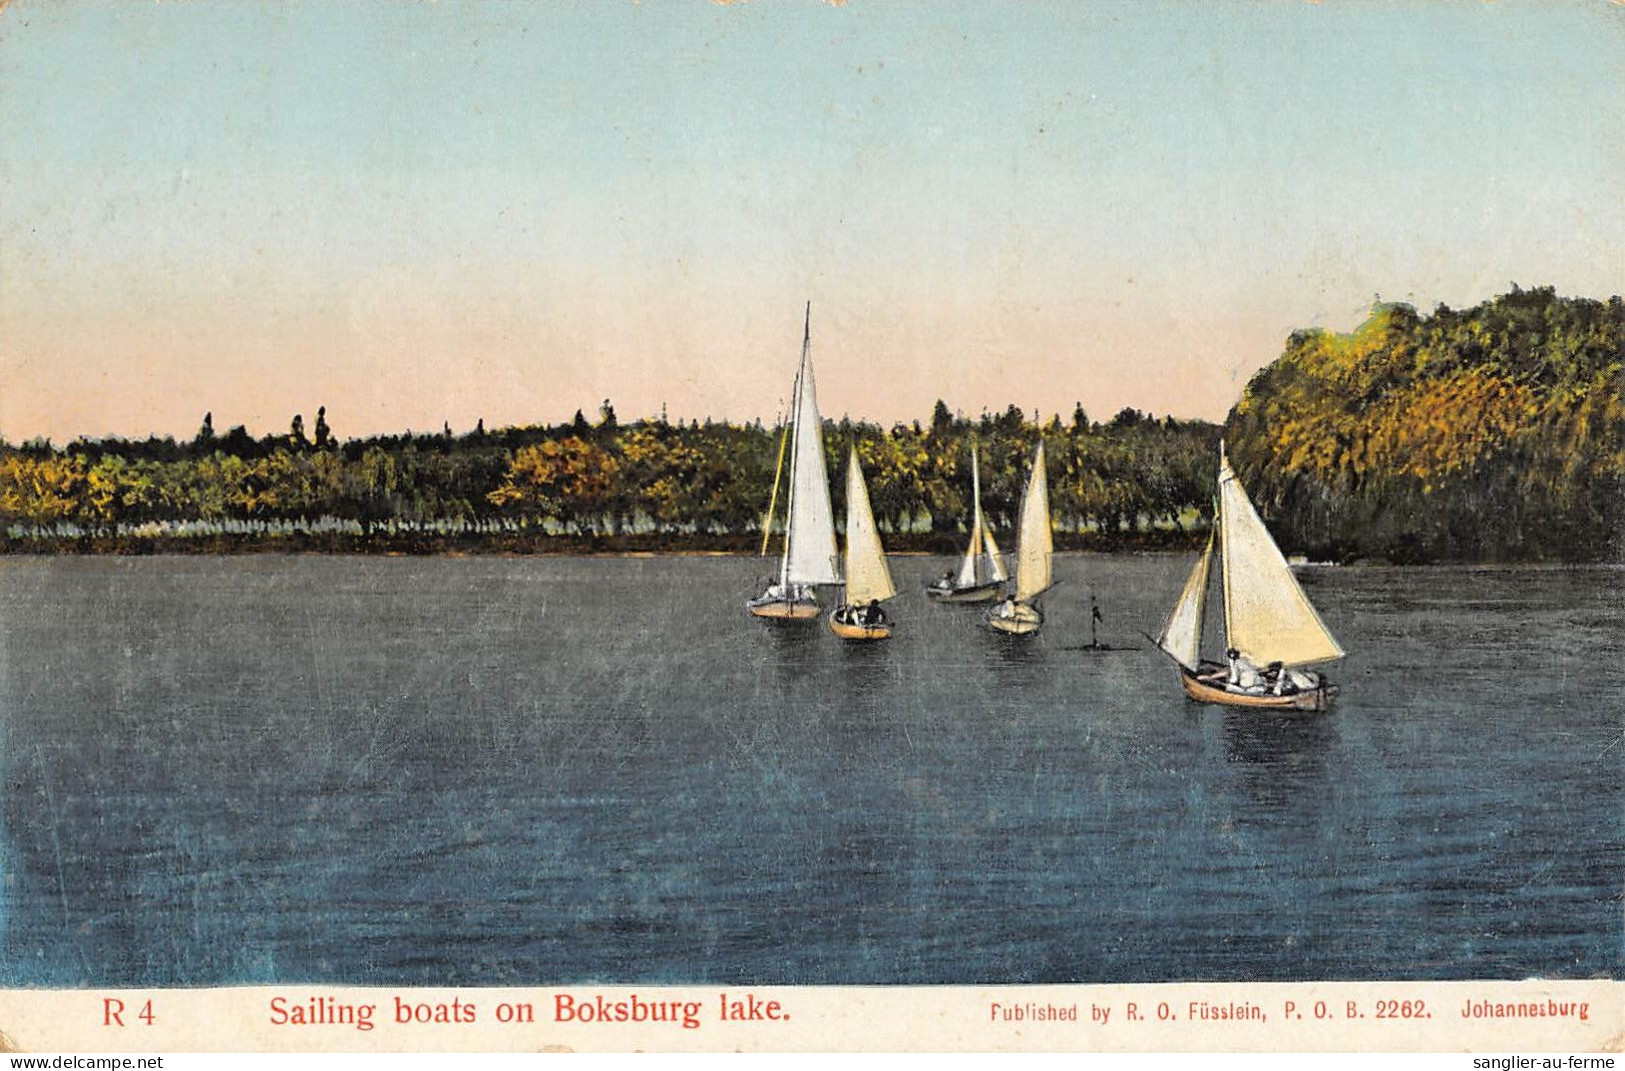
[(1272, 632)]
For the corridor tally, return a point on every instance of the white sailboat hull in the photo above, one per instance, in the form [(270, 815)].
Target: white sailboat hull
[(1021, 620), (977, 593), (784, 609)]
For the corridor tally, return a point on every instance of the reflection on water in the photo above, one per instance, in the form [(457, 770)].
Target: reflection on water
[(864, 680), (1015, 650), (1280, 758), (1273, 739), (425, 771)]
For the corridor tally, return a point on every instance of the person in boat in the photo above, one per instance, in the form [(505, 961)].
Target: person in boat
[(1302, 680), (945, 582), (1007, 608), (872, 615), (1288, 681), (1284, 680), (777, 592), (1244, 675)]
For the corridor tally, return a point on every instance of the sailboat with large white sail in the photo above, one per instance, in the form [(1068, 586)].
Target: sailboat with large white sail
[(981, 571), (1018, 615), (868, 580), (808, 558), (1271, 629)]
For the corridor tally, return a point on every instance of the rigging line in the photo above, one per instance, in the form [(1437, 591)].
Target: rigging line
[(778, 471), (795, 448)]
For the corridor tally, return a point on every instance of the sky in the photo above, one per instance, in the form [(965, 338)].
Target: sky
[(441, 212)]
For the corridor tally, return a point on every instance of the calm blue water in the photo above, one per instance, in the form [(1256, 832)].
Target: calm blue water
[(493, 771)]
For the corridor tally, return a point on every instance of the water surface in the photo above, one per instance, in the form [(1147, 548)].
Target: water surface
[(516, 771)]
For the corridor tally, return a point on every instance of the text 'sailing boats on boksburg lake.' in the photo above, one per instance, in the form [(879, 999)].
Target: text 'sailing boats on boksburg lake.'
[(1018, 615), (868, 580), (981, 573), (809, 526), (1271, 629)]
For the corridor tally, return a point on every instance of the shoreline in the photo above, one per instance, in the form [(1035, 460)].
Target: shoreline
[(530, 545), (516, 544)]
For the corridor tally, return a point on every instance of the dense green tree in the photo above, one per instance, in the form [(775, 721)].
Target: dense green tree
[(693, 477), (1494, 433)]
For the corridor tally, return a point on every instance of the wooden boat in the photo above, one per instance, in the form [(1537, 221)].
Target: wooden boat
[(847, 623), (1215, 691), (1018, 614), (808, 558), (1015, 618), (802, 605), (1271, 629), (868, 580), (981, 572)]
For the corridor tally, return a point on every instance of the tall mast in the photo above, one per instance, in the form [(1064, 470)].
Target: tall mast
[(976, 519), (790, 497), (795, 440), (1224, 541)]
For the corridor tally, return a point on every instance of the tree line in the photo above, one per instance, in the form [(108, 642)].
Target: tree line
[(1495, 433), (684, 480)]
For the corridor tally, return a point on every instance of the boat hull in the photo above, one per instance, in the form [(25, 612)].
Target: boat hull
[(1203, 692), (784, 610), (984, 593), (848, 631), (1024, 620)]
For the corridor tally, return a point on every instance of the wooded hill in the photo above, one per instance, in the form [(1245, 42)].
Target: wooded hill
[(1496, 433)]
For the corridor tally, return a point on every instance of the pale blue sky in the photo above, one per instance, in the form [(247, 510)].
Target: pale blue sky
[(445, 211)]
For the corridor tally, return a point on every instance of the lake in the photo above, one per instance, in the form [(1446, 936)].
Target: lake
[(491, 771)]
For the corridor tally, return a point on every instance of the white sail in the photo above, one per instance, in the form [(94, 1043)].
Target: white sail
[(993, 561), (1034, 541), (809, 546), (1267, 617), (966, 577), (867, 577), (968, 568), (1182, 633)]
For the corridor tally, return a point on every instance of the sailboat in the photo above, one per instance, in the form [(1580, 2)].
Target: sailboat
[(1271, 629), (981, 572), (809, 526), (1017, 615), (868, 581)]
